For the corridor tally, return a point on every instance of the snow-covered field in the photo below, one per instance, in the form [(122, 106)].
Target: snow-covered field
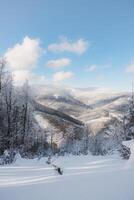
[(84, 178)]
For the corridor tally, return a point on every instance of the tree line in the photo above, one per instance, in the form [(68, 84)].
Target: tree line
[(18, 129)]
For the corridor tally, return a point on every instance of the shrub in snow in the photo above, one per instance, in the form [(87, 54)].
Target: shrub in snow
[(8, 157), (125, 152)]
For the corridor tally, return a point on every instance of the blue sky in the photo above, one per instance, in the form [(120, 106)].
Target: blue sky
[(104, 29)]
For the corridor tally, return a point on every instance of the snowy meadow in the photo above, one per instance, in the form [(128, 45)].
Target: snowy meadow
[(84, 177)]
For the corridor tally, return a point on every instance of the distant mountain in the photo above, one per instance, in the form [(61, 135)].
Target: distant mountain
[(96, 110)]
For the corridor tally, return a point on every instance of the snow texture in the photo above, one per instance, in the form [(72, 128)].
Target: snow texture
[(84, 177)]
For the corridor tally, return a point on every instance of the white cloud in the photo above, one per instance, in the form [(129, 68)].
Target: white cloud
[(20, 76), (59, 63), (91, 68), (130, 68), (25, 55), (78, 47), (60, 76)]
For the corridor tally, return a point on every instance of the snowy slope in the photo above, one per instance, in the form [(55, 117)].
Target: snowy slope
[(85, 177)]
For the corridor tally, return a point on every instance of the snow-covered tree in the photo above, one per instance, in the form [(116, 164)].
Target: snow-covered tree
[(18, 128), (128, 121)]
